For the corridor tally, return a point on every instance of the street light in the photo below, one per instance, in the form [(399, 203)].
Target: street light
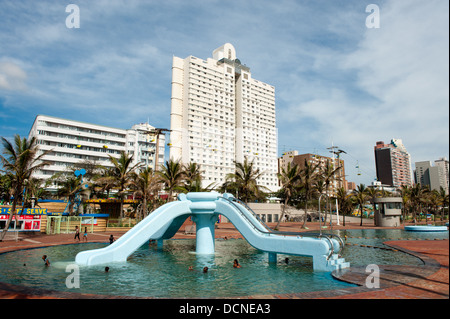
[(157, 132), (338, 153)]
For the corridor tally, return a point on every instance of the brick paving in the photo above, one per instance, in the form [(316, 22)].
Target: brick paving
[(430, 281)]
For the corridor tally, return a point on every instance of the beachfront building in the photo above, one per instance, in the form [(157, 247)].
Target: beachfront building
[(432, 176), (299, 159), (220, 114), (444, 165), (71, 142), (393, 163)]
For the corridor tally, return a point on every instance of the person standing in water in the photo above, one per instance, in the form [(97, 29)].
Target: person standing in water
[(46, 261)]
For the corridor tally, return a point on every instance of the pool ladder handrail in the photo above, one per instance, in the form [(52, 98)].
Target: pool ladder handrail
[(274, 232)]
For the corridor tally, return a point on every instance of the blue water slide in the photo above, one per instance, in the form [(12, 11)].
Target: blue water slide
[(205, 208), (157, 225)]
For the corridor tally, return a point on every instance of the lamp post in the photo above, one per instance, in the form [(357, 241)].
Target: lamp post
[(157, 132), (338, 153)]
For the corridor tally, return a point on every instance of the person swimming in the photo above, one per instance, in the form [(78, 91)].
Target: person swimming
[(46, 261)]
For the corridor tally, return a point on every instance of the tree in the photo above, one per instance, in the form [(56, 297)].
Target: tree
[(36, 190), (121, 174), (21, 160), (172, 176), (245, 181), (444, 200), (308, 177), (372, 193), (192, 177), (289, 179), (69, 186), (361, 198), (146, 184), (405, 193), (328, 172), (105, 180), (345, 202), (417, 195)]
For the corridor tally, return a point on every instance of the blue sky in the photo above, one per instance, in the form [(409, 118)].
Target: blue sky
[(336, 80)]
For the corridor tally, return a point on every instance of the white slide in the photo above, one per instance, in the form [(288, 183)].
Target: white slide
[(164, 222), (154, 226), (260, 238)]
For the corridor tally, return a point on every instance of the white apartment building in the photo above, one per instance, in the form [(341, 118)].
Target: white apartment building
[(443, 163), (433, 176), (71, 142), (221, 114)]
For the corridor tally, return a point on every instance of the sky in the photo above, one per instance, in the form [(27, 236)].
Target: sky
[(338, 79)]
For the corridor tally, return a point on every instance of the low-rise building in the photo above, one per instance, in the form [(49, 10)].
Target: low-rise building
[(71, 142)]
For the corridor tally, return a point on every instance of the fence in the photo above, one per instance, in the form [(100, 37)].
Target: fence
[(67, 224), (121, 222)]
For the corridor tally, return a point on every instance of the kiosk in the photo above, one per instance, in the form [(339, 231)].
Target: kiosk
[(388, 211)]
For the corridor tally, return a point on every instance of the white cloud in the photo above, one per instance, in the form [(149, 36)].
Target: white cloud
[(12, 76), (335, 80), (394, 85)]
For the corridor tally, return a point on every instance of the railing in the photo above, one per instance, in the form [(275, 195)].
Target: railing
[(274, 232)]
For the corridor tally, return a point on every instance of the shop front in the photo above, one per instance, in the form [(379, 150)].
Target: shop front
[(30, 219)]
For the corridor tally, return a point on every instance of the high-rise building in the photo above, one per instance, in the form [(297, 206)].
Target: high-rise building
[(433, 176), (220, 114), (71, 142), (321, 161), (393, 163), (444, 165)]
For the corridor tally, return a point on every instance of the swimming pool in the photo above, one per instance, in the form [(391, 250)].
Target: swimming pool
[(150, 272)]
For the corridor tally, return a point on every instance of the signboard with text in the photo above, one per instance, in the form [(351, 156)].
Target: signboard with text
[(27, 211)]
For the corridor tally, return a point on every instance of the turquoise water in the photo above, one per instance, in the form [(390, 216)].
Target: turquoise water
[(164, 273), (362, 256)]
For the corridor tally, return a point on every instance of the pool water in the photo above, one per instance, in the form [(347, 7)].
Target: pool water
[(150, 272), (362, 256)]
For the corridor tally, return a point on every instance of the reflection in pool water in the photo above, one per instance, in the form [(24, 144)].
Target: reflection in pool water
[(152, 272)]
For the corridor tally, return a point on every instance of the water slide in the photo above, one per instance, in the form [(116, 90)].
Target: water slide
[(205, 208)]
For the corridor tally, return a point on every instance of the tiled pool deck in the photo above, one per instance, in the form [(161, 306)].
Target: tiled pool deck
[(430, 281)]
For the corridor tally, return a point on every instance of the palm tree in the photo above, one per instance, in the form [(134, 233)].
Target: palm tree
[(244, 180), (345, 202), (105, 180), (433, 201), (21, 160), (69, 185), (443, 196), (417, 195), (121, 174), (308, 175), (289, 179), (147, 185), (192, 177), (328, 172), (405, 192), (372, 193), (37, 190), (361, 198), (172, 176)]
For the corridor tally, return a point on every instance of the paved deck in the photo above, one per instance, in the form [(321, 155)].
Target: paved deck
[(430, 281)]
